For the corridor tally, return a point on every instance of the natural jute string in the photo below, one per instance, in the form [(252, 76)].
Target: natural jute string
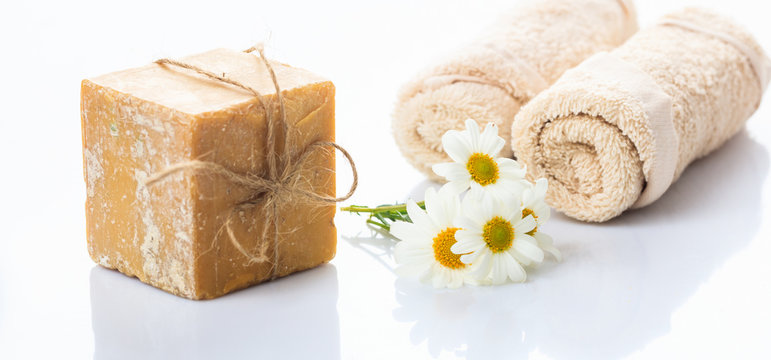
[(282, 182)]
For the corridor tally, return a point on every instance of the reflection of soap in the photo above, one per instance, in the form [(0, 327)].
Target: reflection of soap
[(137, 122), (133, 321)]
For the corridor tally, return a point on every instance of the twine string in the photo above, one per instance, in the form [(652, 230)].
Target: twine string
[(283, 181)]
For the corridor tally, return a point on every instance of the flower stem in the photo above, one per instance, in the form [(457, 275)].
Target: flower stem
[(384, 215), (385, 227), (381, 208)]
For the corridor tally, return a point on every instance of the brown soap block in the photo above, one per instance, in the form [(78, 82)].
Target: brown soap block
[(140, 121)]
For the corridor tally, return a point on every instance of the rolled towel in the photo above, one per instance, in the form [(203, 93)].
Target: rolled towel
[(616, 131), (491, 78)]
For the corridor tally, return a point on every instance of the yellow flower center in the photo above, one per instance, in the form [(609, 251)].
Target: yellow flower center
[(498, 234), (482, 168), (525, 213), (442, 253)]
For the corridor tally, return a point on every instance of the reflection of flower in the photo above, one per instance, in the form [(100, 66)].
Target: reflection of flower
[(495, 240), (471, 322), (441, 318), (612, 301), (424, 251), (533, 203), (475, 164), (511, 329)]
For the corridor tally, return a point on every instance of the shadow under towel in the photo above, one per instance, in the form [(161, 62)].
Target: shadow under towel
[(491, 78), (615, 132)]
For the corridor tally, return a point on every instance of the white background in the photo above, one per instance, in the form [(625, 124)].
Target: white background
[(686, 277)]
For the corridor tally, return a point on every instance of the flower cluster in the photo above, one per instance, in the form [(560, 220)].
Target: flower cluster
[(483, 226)]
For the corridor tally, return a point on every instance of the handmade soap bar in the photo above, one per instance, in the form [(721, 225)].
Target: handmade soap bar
[(171, 235)]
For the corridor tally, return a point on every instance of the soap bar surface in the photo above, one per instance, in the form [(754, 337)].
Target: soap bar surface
[(140, 121)]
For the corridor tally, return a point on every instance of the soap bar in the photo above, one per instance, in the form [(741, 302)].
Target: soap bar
[(171, 235)]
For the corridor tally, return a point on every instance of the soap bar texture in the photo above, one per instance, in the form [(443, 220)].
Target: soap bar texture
[(138, 122)]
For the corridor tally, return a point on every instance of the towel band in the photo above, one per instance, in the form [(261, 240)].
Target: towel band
[(657, 106), (758, 62)]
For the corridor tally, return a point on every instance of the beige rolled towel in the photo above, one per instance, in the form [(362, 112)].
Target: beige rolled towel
[(491, 78), (616, 131)]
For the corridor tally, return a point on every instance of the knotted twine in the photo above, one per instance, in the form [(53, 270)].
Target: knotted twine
[(282, 182)]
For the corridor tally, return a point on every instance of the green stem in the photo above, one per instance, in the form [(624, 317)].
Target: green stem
[(383, 216), (379, 209), (382, 226)]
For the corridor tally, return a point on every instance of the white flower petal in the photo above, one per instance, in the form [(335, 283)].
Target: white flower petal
[(408, 232), (489, 141), (436, 209), (456, 280), (472, 131), (509, 165), (414, 259), (527, 238), (525, 225), (528, 201), (481, 265), (506, 206), (457, 186), (411, 255), (495, 147), (457, 146), (451, 171), (546, 243), (469, 258), (471, 210), (554, 252), (451, 202), (466, 247), (420, 218), (467, 223), (514, 187), (477, 191), (543, 212), (465, 235), (488, 208), (541, 186), (499, 272), (412, 270), (439, 279), (519, 258), (543, 239), (428, 275), (528, 250), (514, 270), (402, 230)]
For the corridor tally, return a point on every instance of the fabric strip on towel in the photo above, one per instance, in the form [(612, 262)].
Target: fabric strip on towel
[(600, 134)]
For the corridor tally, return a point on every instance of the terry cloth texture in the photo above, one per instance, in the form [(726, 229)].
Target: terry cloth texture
[(491, 78), (619, 129)]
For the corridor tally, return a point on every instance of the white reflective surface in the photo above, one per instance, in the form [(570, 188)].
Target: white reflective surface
[(688, 277), (625, 286), (133, 321)]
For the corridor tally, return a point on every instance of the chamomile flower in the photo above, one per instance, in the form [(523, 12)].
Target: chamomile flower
[(424, 250), (494, 239), (476, 165), (533, 204)]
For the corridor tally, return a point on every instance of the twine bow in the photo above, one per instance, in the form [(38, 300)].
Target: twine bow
[(283, 179)]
